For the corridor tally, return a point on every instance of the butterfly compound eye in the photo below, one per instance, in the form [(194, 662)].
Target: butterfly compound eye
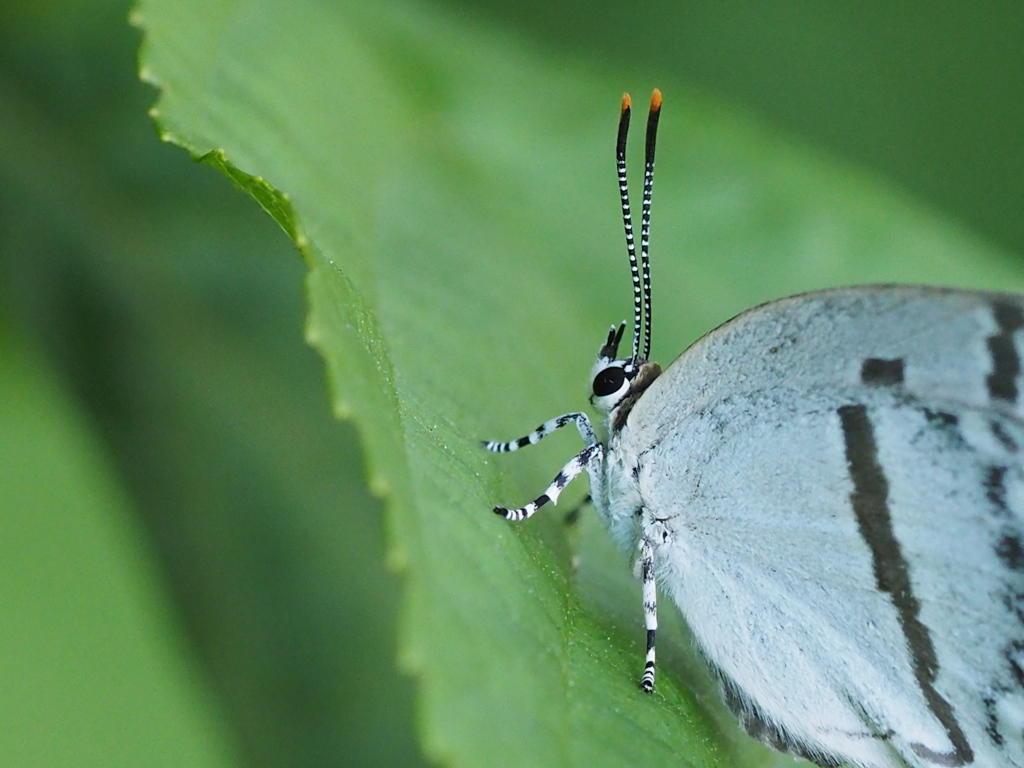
[(609, 381)]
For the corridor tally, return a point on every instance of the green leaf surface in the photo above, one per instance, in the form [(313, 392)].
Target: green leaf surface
[(452, 191), (94, 671)]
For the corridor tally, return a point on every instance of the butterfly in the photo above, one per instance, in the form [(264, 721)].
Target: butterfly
[(830, 487)]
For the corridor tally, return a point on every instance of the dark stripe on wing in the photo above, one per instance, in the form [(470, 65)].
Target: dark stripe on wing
[(877, 372), (1005, 439), (1002, 382), (1011, 552), (995, 491), (870, 500), (992, 721)]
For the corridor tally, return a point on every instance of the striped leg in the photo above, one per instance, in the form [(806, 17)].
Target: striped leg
[(650, 611), (594, 452), (545, 429)]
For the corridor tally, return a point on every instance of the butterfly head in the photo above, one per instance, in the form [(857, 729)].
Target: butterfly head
[(616, 380), (611, 377)]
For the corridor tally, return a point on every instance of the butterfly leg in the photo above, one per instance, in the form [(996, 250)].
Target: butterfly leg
[(545, 429), (578, 464), (650, 596)]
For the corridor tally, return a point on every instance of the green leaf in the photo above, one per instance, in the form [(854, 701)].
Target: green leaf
[(453, 193), (95, 672)]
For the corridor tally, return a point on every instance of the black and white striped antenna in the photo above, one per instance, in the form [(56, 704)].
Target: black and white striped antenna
[(641, 282), (627, 219), (645, 214)]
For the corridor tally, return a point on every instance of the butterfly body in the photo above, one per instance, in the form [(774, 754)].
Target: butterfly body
[(830, 487), (836, 511)]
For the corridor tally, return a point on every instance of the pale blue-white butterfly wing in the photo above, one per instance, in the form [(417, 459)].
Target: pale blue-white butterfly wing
[(840, 479)]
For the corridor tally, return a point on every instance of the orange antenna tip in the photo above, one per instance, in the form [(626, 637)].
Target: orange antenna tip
[(656, 100), (625, 102)]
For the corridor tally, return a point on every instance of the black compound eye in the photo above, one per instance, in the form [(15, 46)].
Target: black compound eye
[(609, 381)]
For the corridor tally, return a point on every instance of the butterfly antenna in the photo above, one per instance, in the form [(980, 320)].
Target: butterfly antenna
[(645, 222), (627, 220)]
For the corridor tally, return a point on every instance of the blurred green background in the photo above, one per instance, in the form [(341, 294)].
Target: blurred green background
[(184, 528)]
